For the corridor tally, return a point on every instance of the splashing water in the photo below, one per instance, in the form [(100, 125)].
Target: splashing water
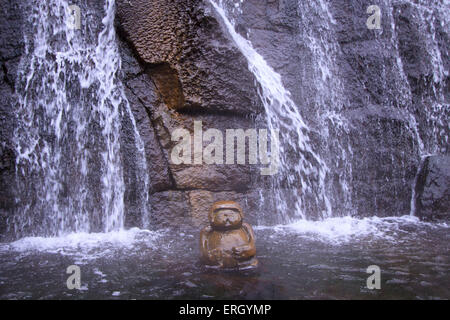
[(341, 230), (70, 178), (306, 259), (86, 247), (70, 104)]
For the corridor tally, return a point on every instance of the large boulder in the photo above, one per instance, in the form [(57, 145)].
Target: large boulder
[(191, 61), (432, 188)]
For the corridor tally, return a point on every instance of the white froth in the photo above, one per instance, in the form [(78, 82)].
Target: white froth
[(346, 229), (86, 246)]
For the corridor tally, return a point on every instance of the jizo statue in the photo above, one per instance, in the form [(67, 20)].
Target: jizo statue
[(228, 242)]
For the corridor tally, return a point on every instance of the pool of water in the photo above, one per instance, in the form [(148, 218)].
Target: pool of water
[(304, 260)]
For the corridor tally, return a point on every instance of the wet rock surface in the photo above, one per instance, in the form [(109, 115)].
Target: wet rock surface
[(433, 188), (190, 60), (11, 48)]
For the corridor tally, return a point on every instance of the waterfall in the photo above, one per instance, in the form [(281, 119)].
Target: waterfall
[(319, 159), (316, 33), (431, 134), (69, 171), (304, 184), (437, 111), (432, 137)]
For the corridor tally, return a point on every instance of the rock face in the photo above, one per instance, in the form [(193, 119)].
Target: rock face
[(11, 47), (432, 189), (189, 59)]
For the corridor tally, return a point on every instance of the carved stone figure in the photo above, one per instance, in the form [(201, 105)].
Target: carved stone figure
[(228, 242)]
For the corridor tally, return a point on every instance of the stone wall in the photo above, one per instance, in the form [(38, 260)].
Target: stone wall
[(432, 189)]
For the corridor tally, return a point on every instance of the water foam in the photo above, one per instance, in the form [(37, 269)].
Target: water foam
[(341, 230), (86, 246)]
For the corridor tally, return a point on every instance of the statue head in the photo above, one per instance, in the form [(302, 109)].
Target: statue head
[(226, 215)]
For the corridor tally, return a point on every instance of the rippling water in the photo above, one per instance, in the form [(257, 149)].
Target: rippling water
[(304, 260)]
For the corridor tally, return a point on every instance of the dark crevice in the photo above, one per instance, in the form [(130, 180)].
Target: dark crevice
[(240, 190), (144, 70), (166, 80), (134, 76), (149, 115), (124, 37), (6, 79), (420, 185), (197, 110), (169, 171), (4, 59)]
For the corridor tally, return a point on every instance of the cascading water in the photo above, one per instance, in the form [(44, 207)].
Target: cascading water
[(437, 108), (428, 114), (317, 34), (70, 105), (303, 182), (303, 178), (320, 180)]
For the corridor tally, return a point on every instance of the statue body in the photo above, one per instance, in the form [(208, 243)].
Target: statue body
[(228, 242)]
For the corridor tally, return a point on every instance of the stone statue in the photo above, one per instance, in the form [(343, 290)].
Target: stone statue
[(228, 242)]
